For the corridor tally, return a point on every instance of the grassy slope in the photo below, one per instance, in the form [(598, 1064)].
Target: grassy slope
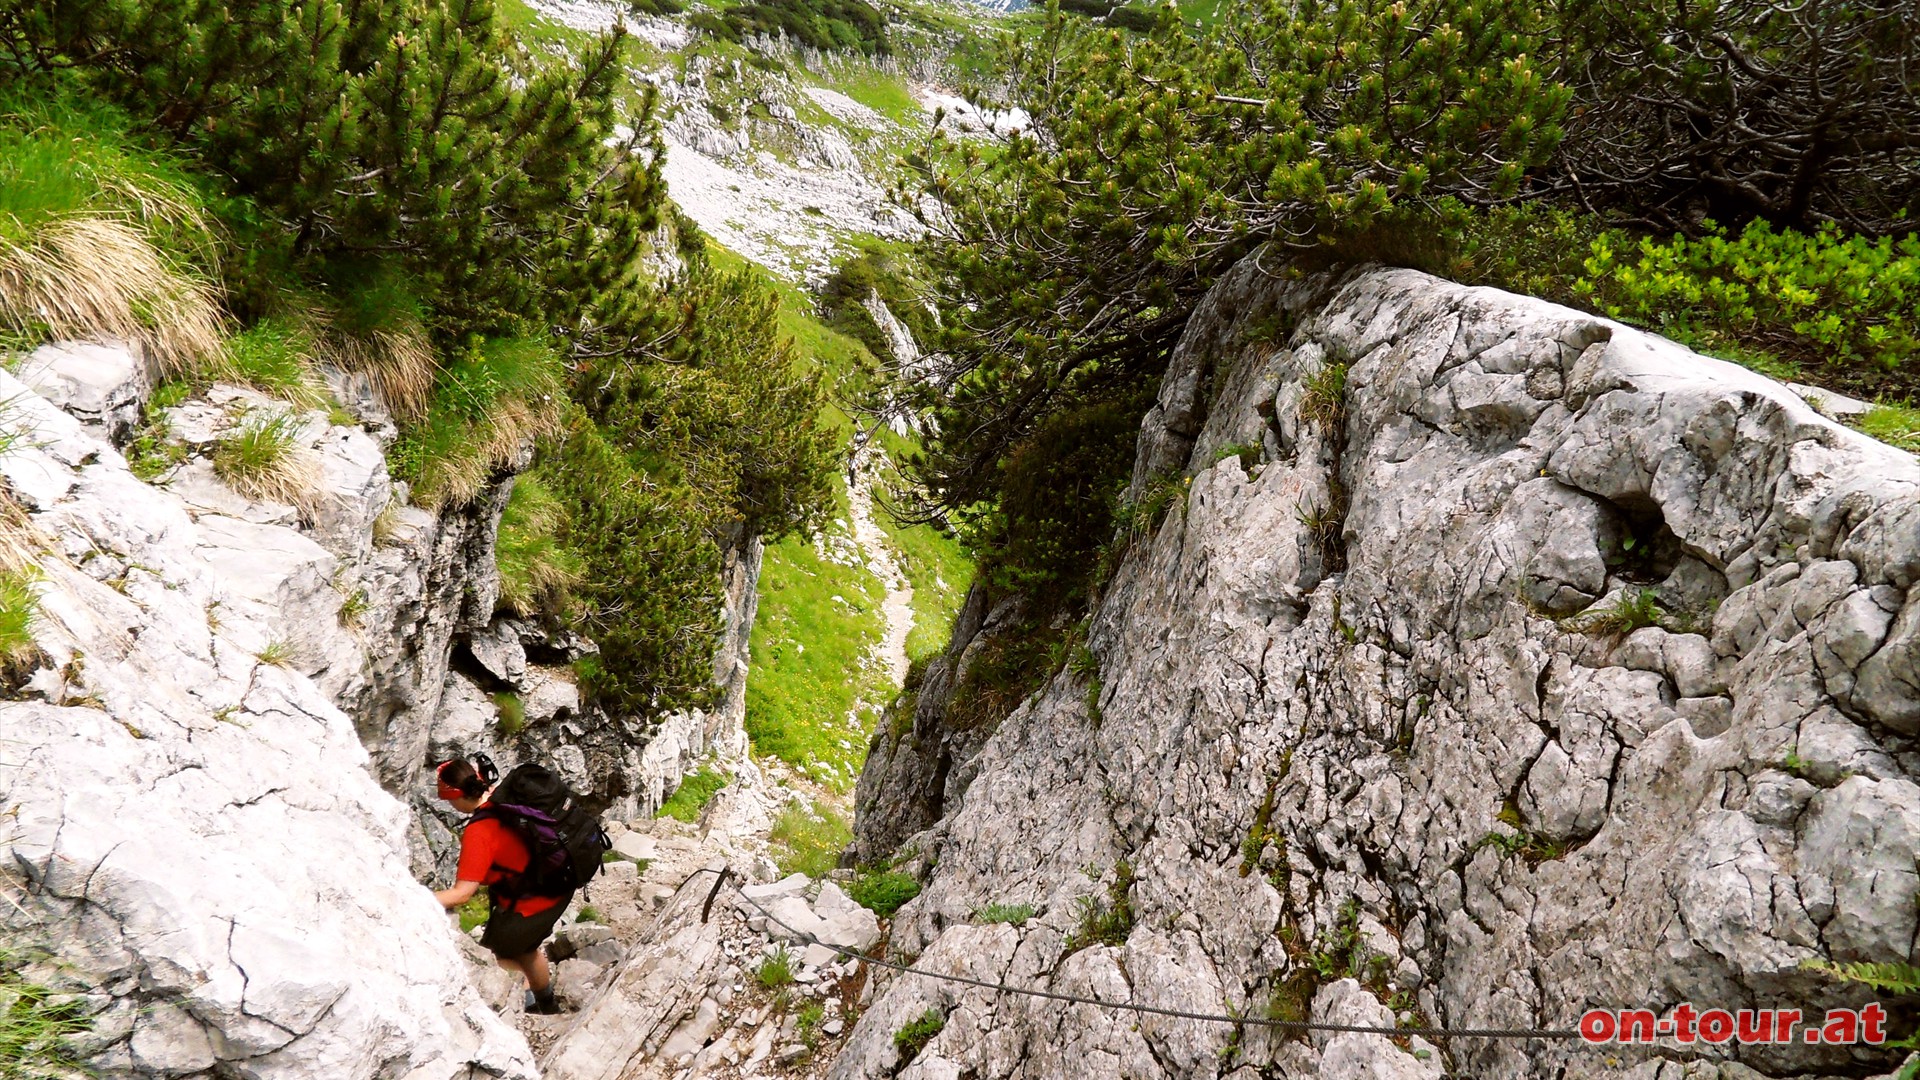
[(933, 561), (811, 698)]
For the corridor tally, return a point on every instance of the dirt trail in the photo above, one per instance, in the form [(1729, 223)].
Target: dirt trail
[(897, 608)]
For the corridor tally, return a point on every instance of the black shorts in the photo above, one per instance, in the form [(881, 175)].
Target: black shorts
[(512, 935)]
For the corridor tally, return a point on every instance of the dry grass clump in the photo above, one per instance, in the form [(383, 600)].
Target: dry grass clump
[(473, 457), (263, 458), (487, 407), (101, 236), (97, 277), (399, 360)]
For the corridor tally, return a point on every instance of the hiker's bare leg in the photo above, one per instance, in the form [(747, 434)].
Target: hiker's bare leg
[(511, 964), (534, 967)]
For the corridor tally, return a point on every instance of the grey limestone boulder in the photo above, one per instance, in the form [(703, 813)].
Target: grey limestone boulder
[(1601, 693)]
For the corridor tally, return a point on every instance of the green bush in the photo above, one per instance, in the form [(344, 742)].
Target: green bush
[(1007, 668), (1057, 493), (696, 790), (652, 575), (412, 129), (883, 891), (872, 270), (666, 462), (1825, 299)]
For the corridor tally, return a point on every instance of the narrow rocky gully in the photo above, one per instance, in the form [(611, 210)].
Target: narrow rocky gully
[(657, 985)]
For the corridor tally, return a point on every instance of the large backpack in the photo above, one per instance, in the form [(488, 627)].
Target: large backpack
[(565, 842)]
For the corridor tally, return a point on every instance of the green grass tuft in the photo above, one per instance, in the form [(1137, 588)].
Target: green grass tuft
[(474, 912), (883, 891), (277, 652), (1248, 454), (511, 714), (1895, 425), (776, 970), (487, 405), (809, 840), (1630, 611), (915, 1036), (807, 1023), (1325, 400), (696, 790), (1011, 914), (37, 1026), (275, 357), (1106, 922), (262, 458), (538, 572), (100, 235), (19, 607)]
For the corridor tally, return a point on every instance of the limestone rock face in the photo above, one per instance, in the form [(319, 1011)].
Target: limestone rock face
[(197, 842), (1546, 666)]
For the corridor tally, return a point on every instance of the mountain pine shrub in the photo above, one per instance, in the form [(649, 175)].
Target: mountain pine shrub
[(1826, 300)]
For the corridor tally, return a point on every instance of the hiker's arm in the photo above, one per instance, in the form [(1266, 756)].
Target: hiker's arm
[(461, 892)]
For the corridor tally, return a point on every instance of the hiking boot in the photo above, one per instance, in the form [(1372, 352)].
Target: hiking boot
[(543, 1004), (527, 1001)]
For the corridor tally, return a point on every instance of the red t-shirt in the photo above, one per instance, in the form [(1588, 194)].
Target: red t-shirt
[(489, 854)]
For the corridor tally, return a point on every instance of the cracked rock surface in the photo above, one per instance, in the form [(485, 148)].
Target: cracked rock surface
[(1547, 666), (196, 841)]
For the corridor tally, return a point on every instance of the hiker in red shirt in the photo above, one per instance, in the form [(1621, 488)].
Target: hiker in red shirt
[(491, 855)]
